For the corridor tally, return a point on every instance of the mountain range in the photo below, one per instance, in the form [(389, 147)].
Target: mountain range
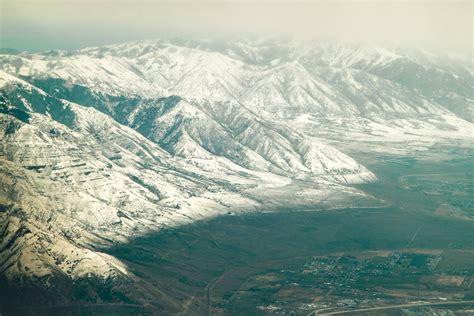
[(104, 144)]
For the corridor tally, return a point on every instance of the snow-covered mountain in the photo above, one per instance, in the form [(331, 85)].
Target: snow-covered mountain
[(265, 73), (74, 180), (206, 129), (77, 178), (317, 89), (103, 144)]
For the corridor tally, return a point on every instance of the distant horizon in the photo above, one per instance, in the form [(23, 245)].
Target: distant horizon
[(38, 26), (381, 44)]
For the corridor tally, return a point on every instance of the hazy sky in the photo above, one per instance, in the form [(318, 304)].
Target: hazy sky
[(68, 24)]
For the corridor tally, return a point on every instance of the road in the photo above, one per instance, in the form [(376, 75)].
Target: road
[(370, 309), (207, 293)]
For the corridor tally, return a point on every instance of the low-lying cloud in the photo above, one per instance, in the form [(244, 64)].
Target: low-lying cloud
[(60, 24)]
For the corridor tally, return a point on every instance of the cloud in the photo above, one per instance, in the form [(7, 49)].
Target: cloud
[(39, 24)]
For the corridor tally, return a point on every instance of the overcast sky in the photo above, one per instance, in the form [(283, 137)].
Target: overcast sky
[(37, 25)]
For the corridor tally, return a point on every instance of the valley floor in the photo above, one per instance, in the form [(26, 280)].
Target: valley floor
[(405, 256)]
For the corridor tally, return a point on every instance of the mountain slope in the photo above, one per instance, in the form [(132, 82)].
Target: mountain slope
[(230, 130), (280, 76), (205, 99), (74, 181), (442, 80), (70, 189), (202, 126)]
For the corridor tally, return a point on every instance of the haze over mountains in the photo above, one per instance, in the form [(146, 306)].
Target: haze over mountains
[(103, 144)]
